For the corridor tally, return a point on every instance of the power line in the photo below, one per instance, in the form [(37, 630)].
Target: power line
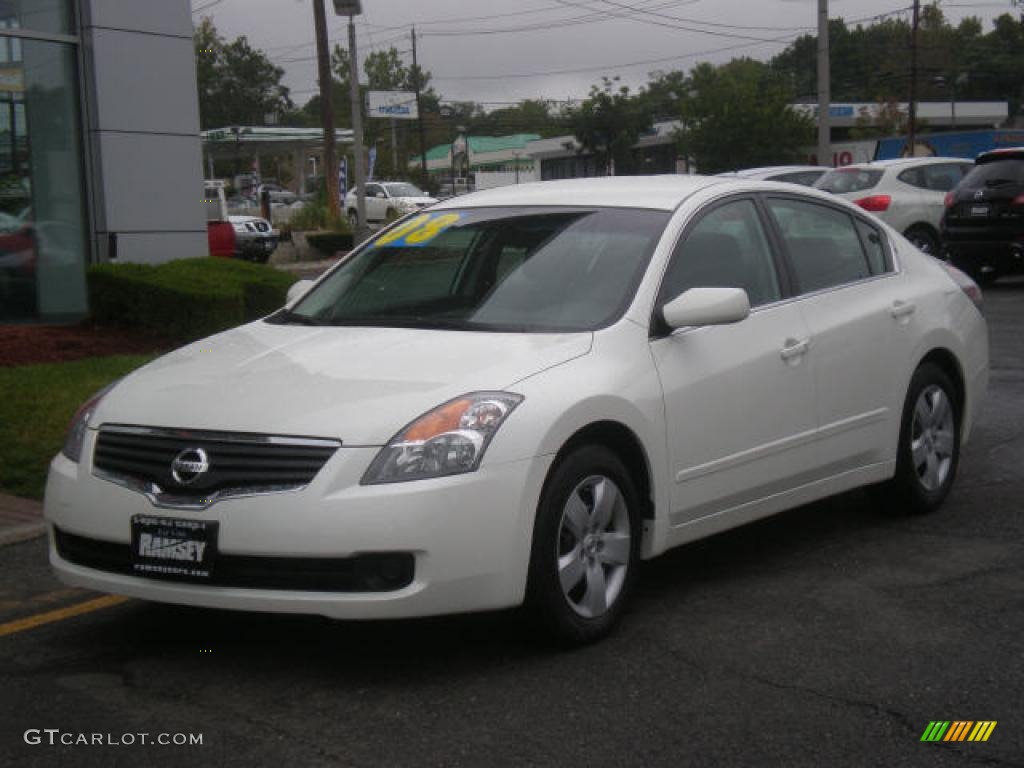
[(202, 8), (492, 16), (645, 62), (652, 12)]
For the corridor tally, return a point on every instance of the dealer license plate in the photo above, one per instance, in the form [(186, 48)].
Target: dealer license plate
[(167, 546)]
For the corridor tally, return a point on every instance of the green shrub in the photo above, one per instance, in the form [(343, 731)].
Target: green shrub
[(329, 243), (187, 299)]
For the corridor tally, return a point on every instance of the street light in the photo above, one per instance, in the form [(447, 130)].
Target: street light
[(353, 8)]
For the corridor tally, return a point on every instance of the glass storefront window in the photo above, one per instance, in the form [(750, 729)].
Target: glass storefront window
[(42, 225), (50, 16)]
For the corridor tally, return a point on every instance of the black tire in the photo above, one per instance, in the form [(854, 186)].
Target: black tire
[(353, 220), (908, 492), (924, 239), (580, 473), (985, 278)]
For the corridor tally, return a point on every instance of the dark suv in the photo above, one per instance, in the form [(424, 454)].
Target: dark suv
[(983, 225)]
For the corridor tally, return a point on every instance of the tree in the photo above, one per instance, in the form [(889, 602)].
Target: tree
[(738, 115), (238, 84), (609, 123)]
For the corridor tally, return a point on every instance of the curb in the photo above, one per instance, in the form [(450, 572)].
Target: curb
[(19, 533), (20, 519)]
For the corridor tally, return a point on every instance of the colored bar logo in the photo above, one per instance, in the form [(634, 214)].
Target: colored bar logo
[(959, 730)]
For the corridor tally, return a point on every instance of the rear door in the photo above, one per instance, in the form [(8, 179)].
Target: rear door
[(860, 312), (925, 191)]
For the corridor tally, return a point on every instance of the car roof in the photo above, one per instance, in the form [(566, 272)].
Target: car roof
[(771, 170), (901, 162), (657, 192)]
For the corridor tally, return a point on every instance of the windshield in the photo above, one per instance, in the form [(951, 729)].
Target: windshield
[(996, 173), (491, 269), (848, 180), (405, 190)]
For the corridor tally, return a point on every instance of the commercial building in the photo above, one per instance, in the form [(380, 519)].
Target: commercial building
[(99, 146)]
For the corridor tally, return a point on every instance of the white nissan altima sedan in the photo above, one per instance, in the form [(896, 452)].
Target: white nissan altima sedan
[(516, 395)]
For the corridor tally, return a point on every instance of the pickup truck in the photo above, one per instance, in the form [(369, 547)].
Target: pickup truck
[(240, 237)]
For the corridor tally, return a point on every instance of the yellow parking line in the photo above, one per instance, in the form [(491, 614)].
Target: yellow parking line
[(31, 622)]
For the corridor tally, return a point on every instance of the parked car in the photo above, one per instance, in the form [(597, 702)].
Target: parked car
[(804, 175), (983, 227), (255, 238), (517, 395), (907, 194), (388, 200)]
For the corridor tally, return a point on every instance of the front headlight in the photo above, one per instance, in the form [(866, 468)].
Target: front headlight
[(449, 440), (75, 436)]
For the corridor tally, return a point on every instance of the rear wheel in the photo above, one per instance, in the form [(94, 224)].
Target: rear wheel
[(586, 546), (929, 447), (924, 239)]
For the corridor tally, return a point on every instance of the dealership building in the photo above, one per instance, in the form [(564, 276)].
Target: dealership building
[(100, 154)]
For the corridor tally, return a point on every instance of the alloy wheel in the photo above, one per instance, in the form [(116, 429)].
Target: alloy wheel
[(932, 438), (593, 547)]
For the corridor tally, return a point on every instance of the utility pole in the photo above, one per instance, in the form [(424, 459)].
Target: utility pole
[(419, 113), (824, 96), (357, 130), (326, 109), (912, 110)]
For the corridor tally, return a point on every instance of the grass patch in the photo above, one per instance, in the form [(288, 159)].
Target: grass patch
[(38, 403)]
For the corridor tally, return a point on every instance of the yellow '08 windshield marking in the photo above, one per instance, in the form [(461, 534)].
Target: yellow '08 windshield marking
[(401, 231), (431, 229), (418, 231)]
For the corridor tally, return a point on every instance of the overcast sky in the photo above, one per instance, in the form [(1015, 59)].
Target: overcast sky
[(561, 47)]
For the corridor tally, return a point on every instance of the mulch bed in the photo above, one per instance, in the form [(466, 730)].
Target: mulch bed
[(28, 344)]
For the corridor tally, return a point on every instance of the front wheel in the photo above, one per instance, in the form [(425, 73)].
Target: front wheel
[(929, 447), (586, 546)]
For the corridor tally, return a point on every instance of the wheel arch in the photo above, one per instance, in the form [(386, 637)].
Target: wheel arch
[(624, 443), (946, 361)]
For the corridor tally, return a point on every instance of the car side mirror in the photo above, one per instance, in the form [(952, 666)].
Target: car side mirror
[(298, 290), (706, 306)]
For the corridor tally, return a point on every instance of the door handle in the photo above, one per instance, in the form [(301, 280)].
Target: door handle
[(794, 349), (902, 309)]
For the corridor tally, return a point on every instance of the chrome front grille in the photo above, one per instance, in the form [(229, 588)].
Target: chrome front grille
[(193, 469)]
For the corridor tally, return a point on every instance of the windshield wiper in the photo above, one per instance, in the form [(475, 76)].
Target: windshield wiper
[(997, 182), (287, 317)]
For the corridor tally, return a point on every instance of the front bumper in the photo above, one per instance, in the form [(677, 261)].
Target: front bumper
[(469, 535), (256, 245)]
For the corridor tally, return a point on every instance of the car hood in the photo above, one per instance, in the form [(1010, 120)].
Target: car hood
[(420, 201), (359, 385), (247, 220)]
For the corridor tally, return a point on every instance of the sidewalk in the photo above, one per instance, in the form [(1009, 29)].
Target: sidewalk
[(20, 519)]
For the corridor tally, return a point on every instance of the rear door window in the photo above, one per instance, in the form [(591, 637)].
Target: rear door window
[(823, 244)]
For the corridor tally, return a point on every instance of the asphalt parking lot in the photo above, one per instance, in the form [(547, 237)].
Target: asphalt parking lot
[(828, 636)]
